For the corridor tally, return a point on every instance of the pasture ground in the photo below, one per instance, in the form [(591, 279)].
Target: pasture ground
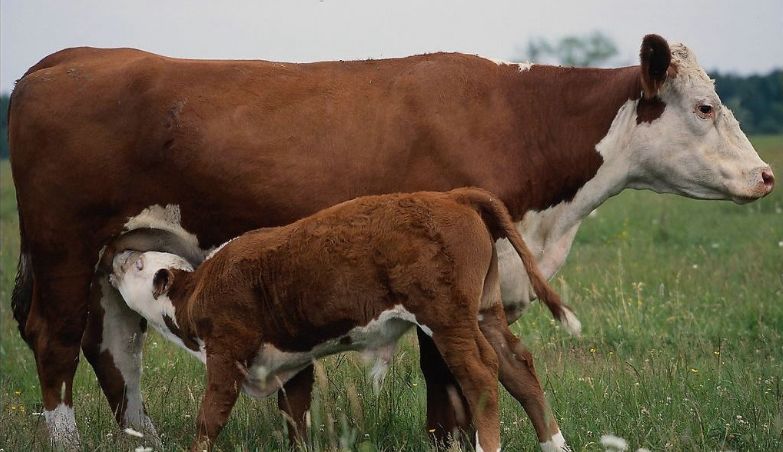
[(682, 303)]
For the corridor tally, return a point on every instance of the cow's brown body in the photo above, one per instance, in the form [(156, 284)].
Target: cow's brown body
[(282, 292), (98, 135)]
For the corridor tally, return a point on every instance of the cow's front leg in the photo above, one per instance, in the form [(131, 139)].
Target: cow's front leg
[(224, 382), (112, 343), (448, 412), (294, 401)]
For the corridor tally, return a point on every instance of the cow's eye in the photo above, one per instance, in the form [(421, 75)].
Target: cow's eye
[(705, 111)]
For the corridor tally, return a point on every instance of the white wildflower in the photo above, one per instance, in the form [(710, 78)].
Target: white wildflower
[(614, 443), (143, 449), (131, 432)]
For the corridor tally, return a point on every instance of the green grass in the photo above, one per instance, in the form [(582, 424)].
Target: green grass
[(682, 303)]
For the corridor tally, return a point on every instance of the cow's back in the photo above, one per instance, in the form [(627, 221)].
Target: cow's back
[(255, 143)]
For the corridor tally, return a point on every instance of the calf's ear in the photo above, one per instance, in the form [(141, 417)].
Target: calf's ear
[(655, 57), (161, 282)]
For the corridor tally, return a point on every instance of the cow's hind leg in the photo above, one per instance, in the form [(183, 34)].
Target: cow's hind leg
[(518, 376), (294, 400), (112, 343), (54, 328)]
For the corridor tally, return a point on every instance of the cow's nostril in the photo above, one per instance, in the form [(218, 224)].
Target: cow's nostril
[(768, 178)]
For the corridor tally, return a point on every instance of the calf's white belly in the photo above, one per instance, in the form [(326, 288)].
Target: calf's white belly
[(377, 341)]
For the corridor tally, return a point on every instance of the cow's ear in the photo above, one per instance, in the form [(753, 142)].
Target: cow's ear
[(655, 57), (161, 282)]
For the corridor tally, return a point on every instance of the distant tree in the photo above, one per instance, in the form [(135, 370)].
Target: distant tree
[(756, 100), (4, 98), (593, 49)]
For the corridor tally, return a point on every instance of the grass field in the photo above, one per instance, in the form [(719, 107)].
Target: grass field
[(682, 303)]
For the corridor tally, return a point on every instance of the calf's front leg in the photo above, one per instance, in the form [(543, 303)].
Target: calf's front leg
[(224, 382)]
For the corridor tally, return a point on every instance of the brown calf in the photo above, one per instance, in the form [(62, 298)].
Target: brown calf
[(352, 277)]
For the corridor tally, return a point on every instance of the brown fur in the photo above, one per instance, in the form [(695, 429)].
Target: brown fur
[(298, 286)]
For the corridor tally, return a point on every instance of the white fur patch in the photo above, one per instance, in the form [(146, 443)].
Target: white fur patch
[(550, 233), (166, 218), (523, 66), (61, 423), (556, 444), (217, 249)]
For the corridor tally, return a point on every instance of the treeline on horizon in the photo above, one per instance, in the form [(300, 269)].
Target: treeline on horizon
[(756, 100)]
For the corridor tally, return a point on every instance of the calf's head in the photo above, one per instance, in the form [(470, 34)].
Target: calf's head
[(144, 279), (685, 141)]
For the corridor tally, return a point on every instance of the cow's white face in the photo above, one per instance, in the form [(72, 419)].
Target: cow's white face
[(695, 147), (143, 280)]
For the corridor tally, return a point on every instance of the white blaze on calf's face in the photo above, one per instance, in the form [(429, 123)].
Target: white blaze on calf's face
[(133, 276)]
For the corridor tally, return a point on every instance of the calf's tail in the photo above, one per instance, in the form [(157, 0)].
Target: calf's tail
[(498, 220)]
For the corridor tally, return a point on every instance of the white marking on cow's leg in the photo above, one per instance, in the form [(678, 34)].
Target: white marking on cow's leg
[(124, 339), (555, 444), (61, 423)]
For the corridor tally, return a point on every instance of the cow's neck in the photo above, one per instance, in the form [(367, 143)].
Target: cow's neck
[(572, 123), (550, 226)]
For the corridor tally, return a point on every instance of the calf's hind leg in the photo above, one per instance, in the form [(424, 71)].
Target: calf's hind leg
[(474, 365), (447, 409), (294, 400), (518, 376)]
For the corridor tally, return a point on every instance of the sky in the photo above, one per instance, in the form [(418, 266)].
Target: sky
[(731, 36)]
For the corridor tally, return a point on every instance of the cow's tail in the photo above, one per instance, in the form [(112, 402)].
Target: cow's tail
[(22, 295), (497, 218)]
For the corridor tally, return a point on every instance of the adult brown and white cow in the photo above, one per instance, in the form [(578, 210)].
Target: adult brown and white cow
[(210, 149)]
